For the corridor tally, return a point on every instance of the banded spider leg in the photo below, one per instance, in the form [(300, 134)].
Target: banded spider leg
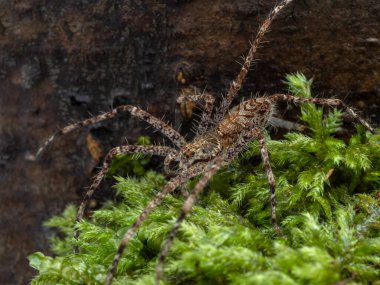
[(158, 124), (321, 101), (238, 82), (164, 128), (145, 149), (175, 182)]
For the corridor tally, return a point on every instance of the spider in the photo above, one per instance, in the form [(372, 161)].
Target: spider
[(221, 135)]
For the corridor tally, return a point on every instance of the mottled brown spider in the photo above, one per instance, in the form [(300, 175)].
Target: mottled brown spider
[(221, 135)]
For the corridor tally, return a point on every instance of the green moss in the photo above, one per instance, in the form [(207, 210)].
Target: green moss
[(328, 207)]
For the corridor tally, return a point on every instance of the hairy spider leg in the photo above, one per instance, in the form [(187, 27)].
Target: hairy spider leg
[(211, 168), (214, 166), (321, 101), (143, 149), (159, 125), (193, 171), (238, 81), (271, 180)]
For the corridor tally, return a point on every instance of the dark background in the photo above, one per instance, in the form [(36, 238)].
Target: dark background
[(64, 60)]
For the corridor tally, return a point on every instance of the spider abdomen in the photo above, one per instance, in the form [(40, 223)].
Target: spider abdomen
[(248, 114)]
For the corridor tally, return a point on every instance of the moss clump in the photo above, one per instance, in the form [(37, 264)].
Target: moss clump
[(328, 206)]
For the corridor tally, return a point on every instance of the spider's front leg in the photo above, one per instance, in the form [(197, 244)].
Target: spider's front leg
[(142, 149), (173, 183), (320, 101), (158, 124), (238, 81)]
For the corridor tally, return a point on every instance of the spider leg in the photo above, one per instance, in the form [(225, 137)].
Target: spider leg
[(194, 95), (168, 188), (237, 83), (271, 180), (210, 170), (321, 101), (212, 167), (143, 149), (164, 128)]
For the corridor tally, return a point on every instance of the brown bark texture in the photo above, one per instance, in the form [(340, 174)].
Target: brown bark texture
[(62, 61)]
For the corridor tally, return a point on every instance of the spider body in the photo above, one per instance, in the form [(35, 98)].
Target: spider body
[(222, 133), (249, 114), (254, 113)]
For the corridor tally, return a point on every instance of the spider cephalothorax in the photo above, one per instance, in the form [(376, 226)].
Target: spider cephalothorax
[(222, 133)]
